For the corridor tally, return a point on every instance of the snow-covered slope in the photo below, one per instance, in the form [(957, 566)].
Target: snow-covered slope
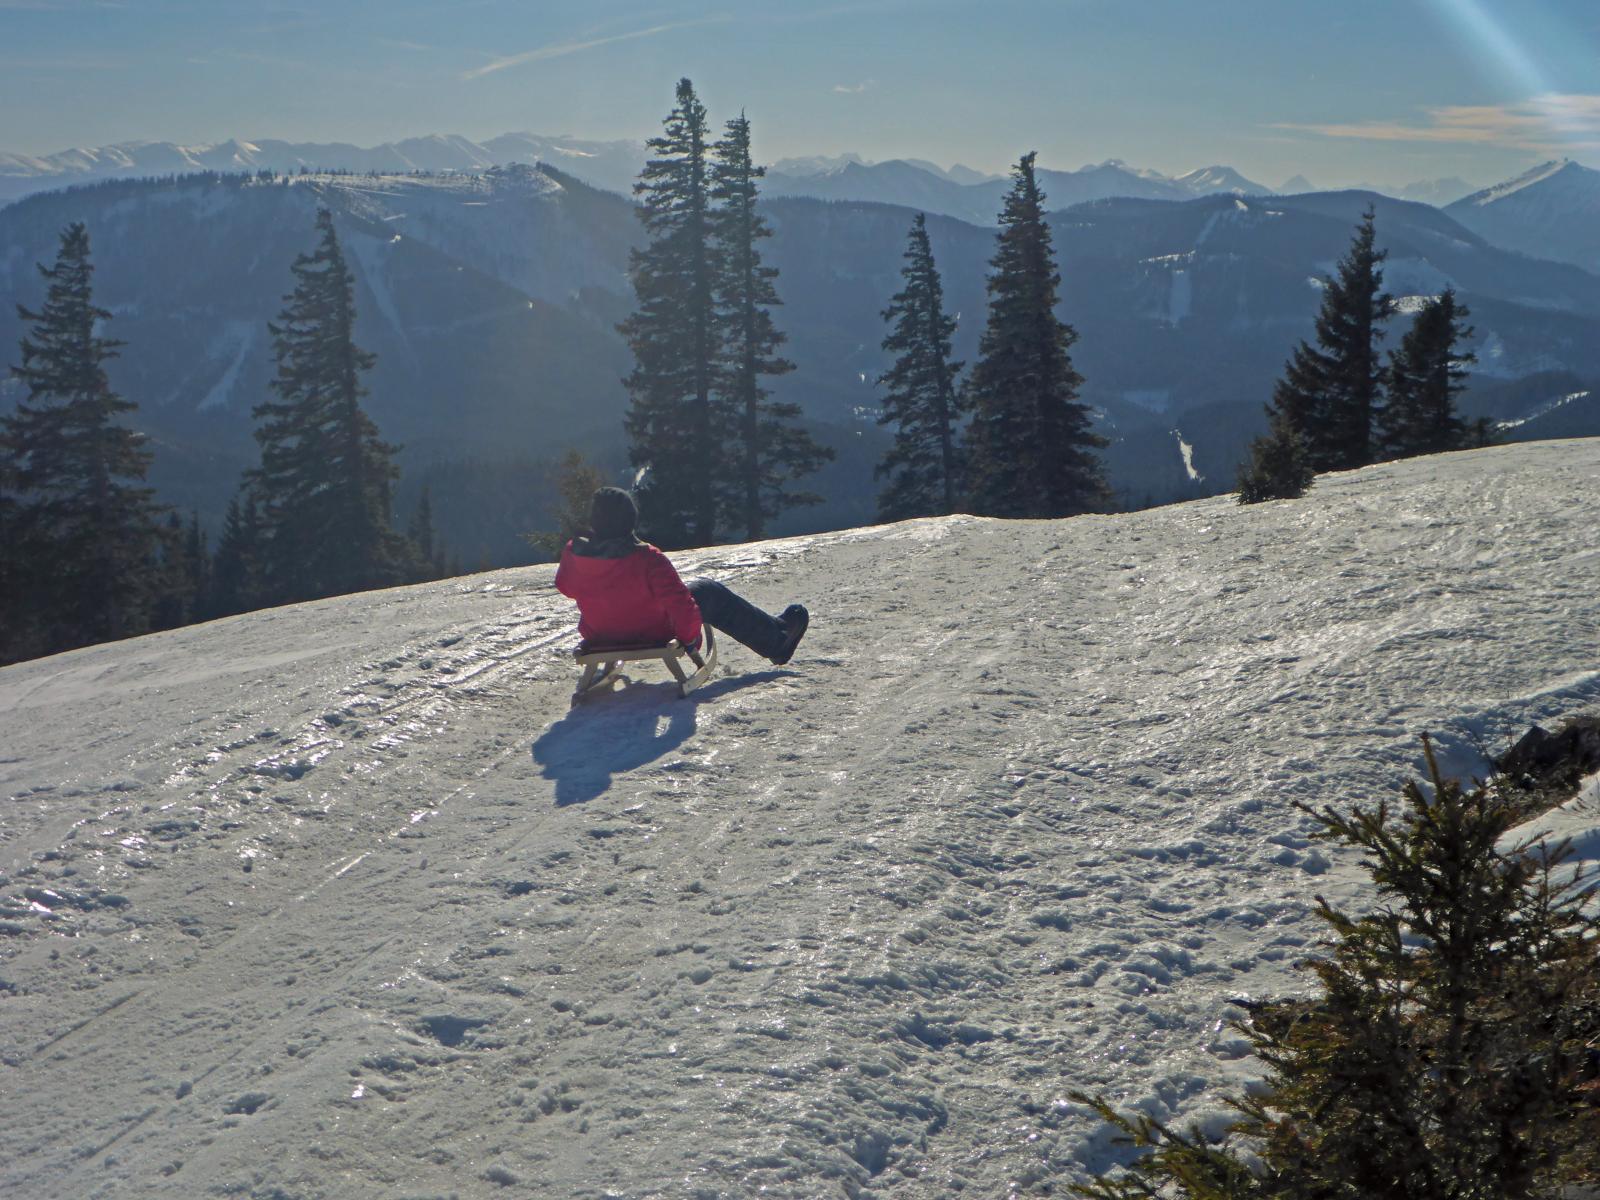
[(339, 900)]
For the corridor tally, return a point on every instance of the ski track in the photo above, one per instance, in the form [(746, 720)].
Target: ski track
[(339, 900)]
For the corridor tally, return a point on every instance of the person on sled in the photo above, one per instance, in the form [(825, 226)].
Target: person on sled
[(629, 594)]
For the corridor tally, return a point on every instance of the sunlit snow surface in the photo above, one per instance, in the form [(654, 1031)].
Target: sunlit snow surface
[(1017, 820)]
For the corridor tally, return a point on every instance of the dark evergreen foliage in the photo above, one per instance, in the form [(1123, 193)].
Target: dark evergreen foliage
[(671, 427), (1032, 443), (765, 446), (429, 563), (925, 465), (576, 480), (1329, 392), (81, 535), (183, 595), (1445, 1054), (236, 570), (324, 483), (1426, 375), (1279, 467)]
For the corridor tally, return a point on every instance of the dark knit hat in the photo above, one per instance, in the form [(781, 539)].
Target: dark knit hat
[(612, 513)]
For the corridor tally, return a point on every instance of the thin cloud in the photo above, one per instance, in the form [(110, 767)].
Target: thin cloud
[(853, 89), (82, 62), (1548, 124), (562, 49)]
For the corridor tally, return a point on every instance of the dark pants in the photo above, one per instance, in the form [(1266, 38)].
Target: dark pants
[(735, 616)]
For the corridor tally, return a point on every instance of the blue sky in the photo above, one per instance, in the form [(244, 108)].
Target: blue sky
[(1342, 91)]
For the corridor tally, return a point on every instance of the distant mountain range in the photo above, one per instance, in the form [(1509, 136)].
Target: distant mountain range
[(491, 300), (611, 165), (1552, 211), (957, 191), (953, 193)]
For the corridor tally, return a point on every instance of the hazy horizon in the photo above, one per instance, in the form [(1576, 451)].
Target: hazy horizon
[(1369, 91)]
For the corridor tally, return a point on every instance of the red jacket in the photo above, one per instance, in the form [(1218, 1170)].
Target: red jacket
[(627, 597)]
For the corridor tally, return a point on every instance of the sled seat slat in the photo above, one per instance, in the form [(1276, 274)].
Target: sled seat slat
[(602, 664)]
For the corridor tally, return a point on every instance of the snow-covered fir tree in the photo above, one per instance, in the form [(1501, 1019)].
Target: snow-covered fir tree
[(83, 532), (1032, 442), (325, 479), (765, 446), (921, 400), (1330, 391), (1426, 373)]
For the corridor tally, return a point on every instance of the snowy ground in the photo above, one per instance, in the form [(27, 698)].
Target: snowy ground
[(340, 901)]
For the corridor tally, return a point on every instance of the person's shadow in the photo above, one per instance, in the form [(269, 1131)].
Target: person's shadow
[(609, 734)]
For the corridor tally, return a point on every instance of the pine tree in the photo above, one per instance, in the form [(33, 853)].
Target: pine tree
[(1425, 377), (1443, 1056), (420, 532), (767, 448), (924, 466), (83, 534), (171, 607), (325, 479), (672, 429), (1279, 468), (576, 480), (20, 633), (197, 565), (236, 570), (1329, 393), (1031, 442)]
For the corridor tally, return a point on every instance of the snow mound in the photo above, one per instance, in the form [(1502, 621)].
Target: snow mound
[(341, 900)]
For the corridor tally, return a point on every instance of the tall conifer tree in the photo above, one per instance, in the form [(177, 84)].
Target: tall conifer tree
[(1032, 444), (766, 447), (84, 532), (924, 465), (1329, 392), (671, 427), (1426, 375), (325, 479)]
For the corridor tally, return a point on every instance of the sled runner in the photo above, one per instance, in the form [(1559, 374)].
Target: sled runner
[(602, 665)]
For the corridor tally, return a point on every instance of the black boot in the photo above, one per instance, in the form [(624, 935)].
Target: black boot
[(794, 620)]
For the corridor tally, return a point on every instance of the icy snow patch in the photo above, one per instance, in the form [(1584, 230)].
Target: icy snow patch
[(1154, 399), (1018, 819), (1543, 410), (1410, 306), (240, 336), (1187, 451), (1180, 300)]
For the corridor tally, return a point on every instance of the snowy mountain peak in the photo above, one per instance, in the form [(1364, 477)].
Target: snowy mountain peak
[(1205, 181), (814, 164), (1541, 173)]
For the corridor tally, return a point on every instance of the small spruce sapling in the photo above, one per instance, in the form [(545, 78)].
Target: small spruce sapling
[(1279, 466), (1446, 1055)]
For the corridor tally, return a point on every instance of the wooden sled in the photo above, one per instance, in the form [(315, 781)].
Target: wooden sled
[(602, 665)]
